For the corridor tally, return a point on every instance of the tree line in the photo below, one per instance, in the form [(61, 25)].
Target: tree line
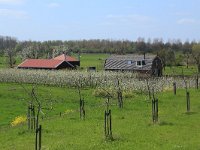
[(11, 47)]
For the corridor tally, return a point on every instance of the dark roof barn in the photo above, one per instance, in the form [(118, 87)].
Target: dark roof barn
[(149, 64)]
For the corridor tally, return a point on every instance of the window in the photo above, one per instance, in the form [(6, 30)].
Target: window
[(143, 63), (140, 63), (129, 62)]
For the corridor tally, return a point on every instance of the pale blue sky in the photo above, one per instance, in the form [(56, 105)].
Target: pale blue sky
[(100, 19)]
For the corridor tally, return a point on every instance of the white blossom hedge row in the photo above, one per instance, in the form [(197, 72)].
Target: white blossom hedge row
[(128, 81)]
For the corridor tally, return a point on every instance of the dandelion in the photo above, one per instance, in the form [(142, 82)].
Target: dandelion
[(68, 111), (18, 121)]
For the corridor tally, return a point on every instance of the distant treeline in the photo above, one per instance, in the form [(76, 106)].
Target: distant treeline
[(94, 46), (10, 46)]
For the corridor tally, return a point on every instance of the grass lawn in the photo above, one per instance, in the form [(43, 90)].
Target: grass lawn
[(178, 70), (132, 125), (93, 60)]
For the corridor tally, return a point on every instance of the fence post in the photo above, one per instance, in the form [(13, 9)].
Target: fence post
[(197, 82), (174, 85), (188, 101), (120, 99), (105, 122), (155, 110), (28, 117), (33, 117), (38, 138), (82, 109), (108, 124)]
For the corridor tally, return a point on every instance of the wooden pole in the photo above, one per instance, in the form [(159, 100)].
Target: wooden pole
[(40, 137), (156, 110), (110, 123), (36, 138), (153, 110), (188, 101), (33, 117), (105, 115), (174, 85), (28, 117), (197, 82)]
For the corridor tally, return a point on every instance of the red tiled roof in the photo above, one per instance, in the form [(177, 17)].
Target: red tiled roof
[(68, 58), (40, 63)]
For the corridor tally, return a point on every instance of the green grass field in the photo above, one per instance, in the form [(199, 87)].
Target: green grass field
[(96, 60), (132, 125), (179, 70)]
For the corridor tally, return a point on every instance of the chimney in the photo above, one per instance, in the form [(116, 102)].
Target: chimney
[(65, 56)]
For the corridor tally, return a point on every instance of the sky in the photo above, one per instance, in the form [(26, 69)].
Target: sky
[(42, 20)]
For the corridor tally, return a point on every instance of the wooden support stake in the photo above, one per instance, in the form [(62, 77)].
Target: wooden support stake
[(28, 117), (197, 82), (188, 101), (105, 122), (110, 123), (82, 109), (174, 85), (155, 110), (38, 138)]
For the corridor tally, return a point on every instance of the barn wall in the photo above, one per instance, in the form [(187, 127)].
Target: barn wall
[(64, 65), (75, 63)]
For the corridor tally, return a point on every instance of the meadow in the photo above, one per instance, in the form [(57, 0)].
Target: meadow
[(132, 125)]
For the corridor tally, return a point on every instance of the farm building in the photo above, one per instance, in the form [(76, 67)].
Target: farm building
[(59, 62), (148, 64), (73, 61)]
